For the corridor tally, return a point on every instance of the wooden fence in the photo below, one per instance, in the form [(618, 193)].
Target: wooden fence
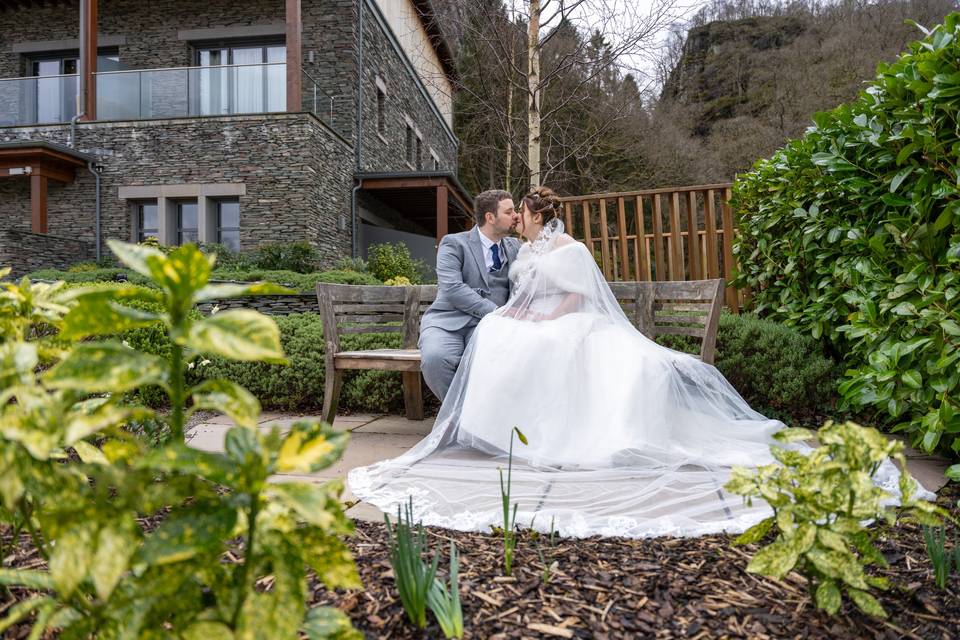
[(680, 233)]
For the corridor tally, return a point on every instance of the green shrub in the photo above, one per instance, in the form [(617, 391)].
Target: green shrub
[(390, 260), (305, 282), (779, 371), (91, 275), (227, 258), (352, 264), (299, 257), (820, 503), (299, 384), (853, 233), (104, 575)]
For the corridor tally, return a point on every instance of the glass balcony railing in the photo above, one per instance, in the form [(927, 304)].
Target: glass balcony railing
[(38, 100), (168, 93), (191, 91)]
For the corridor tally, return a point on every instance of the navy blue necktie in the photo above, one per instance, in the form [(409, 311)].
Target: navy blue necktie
[(496, 258)]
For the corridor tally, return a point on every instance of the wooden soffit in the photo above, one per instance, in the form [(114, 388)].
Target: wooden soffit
[(30, 158)]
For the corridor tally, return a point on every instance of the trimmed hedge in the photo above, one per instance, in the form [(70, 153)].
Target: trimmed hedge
[(91, 275), (779, 371), (306, 282), (853, 233), (299, 385)]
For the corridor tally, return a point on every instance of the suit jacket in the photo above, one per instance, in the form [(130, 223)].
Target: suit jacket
[(463, 290)]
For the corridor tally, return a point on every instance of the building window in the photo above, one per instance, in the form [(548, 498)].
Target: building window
[(419, 159), (228, 224), (240, 79), (381, 111), (148, 221), (436, 160), (410, 146), (187, 221)]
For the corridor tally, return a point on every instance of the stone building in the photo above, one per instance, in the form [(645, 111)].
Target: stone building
[(232, 121)]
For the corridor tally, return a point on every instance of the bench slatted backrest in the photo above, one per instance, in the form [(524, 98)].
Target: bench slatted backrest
[(626, 294), (368, 309), (688, 309), (679, 308), (428, 293)]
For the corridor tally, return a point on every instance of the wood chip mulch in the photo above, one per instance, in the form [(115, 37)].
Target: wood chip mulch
[(659, 588), (613, 588)]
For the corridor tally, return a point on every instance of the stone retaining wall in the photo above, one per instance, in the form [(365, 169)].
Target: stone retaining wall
[(270, 305), (25, 251)]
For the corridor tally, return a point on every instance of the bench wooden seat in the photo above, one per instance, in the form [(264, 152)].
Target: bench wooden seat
[(346, 309), (655, 308), (391, 359)]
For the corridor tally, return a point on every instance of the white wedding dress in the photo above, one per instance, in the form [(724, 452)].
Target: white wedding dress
[(625, 437)]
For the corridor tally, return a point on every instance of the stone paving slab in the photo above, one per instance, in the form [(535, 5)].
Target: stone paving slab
[(376, 437)]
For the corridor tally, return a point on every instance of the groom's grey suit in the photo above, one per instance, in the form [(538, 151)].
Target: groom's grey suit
[(466, 291)]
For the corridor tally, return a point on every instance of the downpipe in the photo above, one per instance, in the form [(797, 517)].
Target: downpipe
[(358, 136), (94, 168)]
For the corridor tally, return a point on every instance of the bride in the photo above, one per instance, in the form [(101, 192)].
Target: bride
[(625, 437)]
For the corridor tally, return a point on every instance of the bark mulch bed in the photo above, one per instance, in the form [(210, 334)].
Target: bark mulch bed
[(614, 588), (659, 588)]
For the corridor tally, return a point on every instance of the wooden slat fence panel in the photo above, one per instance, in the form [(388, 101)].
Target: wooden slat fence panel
[(676, 234)]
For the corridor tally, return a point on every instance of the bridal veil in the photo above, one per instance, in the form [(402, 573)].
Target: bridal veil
[(625, 437)]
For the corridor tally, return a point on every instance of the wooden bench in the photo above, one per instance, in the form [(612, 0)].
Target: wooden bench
[(655, 308), (689, 308), (348, 309)]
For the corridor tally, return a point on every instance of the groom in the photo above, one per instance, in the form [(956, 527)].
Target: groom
[(472, 268)]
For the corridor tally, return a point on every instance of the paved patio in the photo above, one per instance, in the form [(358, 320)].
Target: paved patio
[(376, 437)]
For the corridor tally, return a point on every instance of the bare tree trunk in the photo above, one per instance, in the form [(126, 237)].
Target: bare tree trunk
[(533, 94), (509, 149)]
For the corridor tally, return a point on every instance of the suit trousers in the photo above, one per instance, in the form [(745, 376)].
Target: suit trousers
[(440, 354)]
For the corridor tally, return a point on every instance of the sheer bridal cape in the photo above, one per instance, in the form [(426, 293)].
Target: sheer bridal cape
[(626, 437)]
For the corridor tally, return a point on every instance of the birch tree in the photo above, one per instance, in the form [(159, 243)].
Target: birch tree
[(514, 43)]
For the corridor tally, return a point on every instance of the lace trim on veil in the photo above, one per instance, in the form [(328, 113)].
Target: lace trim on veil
[(547, 237), (544, 243)]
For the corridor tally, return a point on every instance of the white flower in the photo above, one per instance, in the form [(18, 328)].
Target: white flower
[(127, 344), (190, 365), (215, 308), (204, 362)]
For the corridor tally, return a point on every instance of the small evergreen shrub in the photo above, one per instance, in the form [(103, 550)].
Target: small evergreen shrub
[(300, 257), (227, 258), (820, 502), (779, 371), (391, 260), (352, 264)]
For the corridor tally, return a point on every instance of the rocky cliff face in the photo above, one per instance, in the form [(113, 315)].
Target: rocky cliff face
[(727, 67)]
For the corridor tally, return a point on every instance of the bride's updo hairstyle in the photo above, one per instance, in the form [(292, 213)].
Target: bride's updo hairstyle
[(544, 201)]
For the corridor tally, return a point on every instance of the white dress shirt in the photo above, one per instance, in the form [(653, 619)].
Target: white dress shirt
[(488, 254)]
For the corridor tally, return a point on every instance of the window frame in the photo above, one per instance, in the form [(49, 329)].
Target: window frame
[(381, 106), (410, 145), (138, 206), (230, 44), (219, 202), (178, 219)]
